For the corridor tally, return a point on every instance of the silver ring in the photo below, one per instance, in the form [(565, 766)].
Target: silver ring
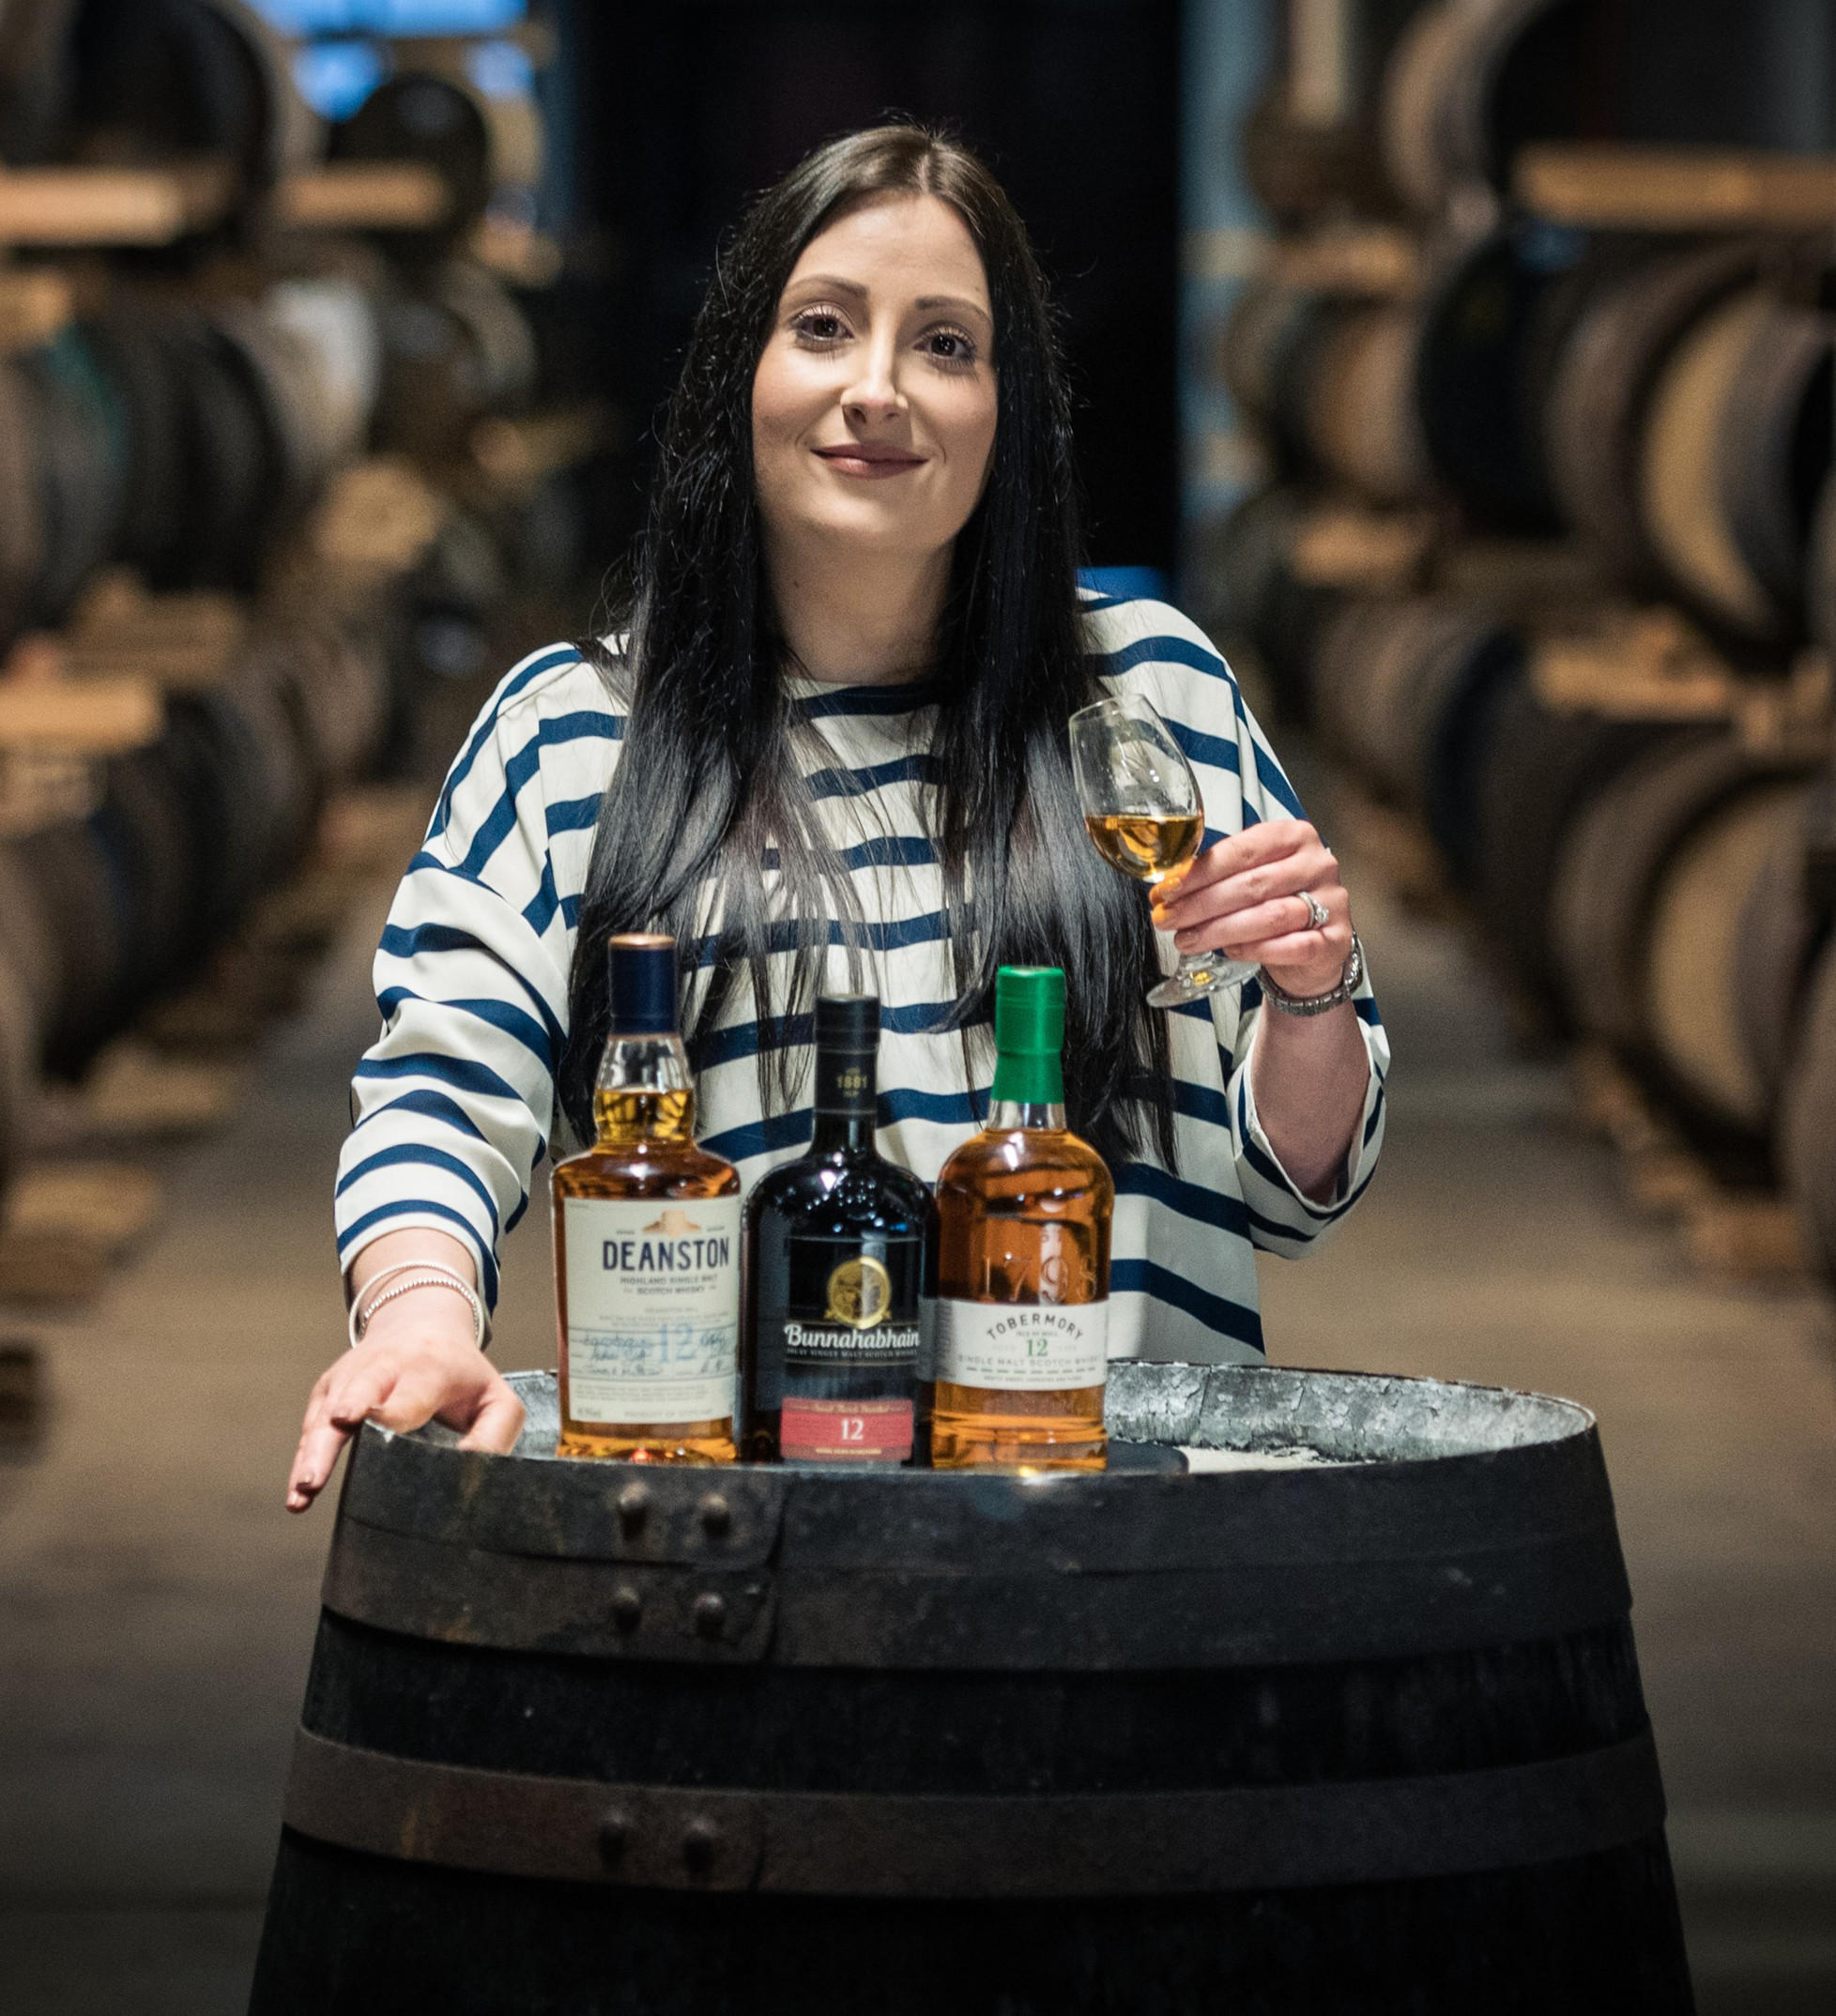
[(1318, 915)]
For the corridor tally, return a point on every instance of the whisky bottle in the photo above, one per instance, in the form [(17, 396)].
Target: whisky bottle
[(833, 1268), (647, 1245), (1023, 1260)]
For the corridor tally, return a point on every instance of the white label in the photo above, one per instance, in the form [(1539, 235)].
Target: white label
[(1022, 1348), (926, 1367), (653, 1308)]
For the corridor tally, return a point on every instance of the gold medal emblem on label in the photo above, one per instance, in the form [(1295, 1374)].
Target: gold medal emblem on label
[(860, 1292)]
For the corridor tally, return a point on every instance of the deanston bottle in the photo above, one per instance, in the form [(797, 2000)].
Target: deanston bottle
[(834, 1265), (1023, 1260), (647, 1243)]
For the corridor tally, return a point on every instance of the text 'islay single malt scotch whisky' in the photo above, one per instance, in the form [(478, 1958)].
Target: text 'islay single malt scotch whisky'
[(834, 1265), (1023, 1260), (647, 1245)]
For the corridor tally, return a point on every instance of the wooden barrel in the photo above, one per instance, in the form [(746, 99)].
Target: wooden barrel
[(79, 430), (1261, 354), (476, 143), (148, 842), (130, 346), (1536, 766), (1362, 1730), (231, 480), (70, 876), (1477, 384), (1358, 403), (1469, 85), (1299, 168), (1594, 425), (1774, 454), (1634, 834), (28, 935), (1804, 1139), (1251, 590), (1820, 569), (1782, 929), (22, 520), (18, 1057), (1700, 964), (1736, 450), (155, 80)]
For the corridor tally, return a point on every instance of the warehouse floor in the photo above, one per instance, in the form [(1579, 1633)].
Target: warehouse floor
[(156, 1604)]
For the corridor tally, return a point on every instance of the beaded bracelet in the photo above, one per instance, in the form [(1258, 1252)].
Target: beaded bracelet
[(430, 1274)]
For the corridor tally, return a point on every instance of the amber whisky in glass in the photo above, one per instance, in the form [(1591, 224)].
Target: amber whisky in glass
[(1023, 1261), (647, 1245)]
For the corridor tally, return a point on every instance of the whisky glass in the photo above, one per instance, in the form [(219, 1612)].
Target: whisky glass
[(1143, 810)]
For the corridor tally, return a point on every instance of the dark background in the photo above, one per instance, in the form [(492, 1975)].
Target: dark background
[(679, 113)]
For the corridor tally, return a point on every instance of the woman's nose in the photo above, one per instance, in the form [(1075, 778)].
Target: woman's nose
[(875, 394)]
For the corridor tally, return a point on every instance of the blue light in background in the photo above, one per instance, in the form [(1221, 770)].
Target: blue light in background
[(392, 17), (501, 69), (334, 78)]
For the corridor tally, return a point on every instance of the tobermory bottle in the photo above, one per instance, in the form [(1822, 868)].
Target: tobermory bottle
[(1023, 1260), (834, 1263), (647, 1245)]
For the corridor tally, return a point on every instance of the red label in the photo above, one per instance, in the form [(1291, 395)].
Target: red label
[(838, 1432)]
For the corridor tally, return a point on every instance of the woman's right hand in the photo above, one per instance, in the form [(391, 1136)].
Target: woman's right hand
[(418, 1362)]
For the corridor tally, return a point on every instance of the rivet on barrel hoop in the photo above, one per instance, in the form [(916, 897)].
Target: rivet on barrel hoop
[(709, 1614), (615, 1832), (700, 1843), (627, 1608), (716, 1514), (634, 1503)]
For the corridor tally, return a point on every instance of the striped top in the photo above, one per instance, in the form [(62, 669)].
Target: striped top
[(454, 1104)]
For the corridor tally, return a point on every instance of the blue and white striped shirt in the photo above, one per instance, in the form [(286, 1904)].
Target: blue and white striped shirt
[(454, 1104)]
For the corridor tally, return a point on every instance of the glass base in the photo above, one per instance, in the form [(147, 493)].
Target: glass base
[(1201, 974)]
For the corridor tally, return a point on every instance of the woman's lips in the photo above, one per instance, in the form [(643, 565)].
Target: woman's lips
[(870, 462)]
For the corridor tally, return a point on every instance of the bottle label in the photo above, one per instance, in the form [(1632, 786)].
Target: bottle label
[(653, 1308), (1022, 1348), (842, 1431), (838, 1342)]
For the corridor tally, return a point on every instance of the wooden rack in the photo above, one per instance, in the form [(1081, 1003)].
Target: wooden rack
[(1615, 188)]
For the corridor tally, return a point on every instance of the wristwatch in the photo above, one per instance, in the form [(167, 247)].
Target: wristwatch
[(1316, 1003)]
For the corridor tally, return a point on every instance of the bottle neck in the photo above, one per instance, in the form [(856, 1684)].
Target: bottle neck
[(1038, 1116), (847, 1103), (1030, 1083), (645, 1091)]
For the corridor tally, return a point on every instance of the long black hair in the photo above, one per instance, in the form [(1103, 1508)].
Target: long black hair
[(712, 776)]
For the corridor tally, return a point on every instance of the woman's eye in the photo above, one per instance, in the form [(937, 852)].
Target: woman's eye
[(950, 346), (819, 326)]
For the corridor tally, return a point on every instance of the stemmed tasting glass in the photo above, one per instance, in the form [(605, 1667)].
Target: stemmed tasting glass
[(1142, 809)]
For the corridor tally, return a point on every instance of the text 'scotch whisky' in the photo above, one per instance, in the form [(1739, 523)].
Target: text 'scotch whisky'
[(834, 1270), (1023, 1260), (647, 1245)]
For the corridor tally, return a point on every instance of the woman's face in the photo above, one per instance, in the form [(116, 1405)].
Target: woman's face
[(873, 406)]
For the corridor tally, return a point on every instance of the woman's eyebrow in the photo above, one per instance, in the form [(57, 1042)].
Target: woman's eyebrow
[(834, 284), (958, 301)]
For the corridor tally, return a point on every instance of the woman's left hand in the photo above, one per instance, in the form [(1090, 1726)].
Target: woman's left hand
[(1247, 896)]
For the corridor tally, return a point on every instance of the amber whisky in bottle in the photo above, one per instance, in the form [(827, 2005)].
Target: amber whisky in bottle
[(834, 1272), (647, 1245), (1023, 1261)]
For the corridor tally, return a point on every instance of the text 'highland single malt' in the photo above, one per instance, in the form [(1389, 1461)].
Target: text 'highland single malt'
[(647, 1245), (834, 1266), (1023, 1260)]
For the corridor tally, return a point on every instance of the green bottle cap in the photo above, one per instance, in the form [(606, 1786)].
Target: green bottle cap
[(1029, 1035)]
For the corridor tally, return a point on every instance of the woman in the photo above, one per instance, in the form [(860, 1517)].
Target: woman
[(831, 749)]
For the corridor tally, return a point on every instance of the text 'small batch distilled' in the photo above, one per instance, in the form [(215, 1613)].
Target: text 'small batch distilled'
[(647, 1245), (834, 1263), (1023, 1260)]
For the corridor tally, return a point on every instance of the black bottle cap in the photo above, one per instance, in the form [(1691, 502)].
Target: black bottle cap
[(848, 1022), (641, 966)]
